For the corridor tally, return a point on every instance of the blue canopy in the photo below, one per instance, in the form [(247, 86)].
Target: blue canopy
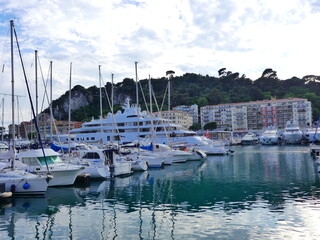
[(149, 148), (57, 148)]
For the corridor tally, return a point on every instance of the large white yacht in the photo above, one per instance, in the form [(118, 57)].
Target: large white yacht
[(132, 124), (292, 133)]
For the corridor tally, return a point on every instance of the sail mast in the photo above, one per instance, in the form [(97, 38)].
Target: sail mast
[(137, 100), (51, 117), (12, 97), (69, 112)]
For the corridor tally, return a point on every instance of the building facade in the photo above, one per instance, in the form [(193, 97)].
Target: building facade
[(176, 117), (259, 114), (27, 129), (192, 110)]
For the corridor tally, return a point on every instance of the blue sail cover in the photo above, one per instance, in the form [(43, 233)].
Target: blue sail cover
[(149, 148), (57, 148)]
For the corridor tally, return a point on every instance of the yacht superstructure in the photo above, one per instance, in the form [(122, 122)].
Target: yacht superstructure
[(132, 124)]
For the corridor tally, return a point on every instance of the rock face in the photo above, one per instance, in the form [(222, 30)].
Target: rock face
[(78, 100)]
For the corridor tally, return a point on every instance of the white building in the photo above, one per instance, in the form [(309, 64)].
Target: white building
[(176, 117), (259, 114), (192, 110)]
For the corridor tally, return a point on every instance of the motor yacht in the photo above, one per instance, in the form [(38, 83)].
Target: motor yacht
[(270, 137), (249, 139), (34, 161), (292, 133)]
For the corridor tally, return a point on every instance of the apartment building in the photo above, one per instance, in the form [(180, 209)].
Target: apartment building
[(27, 128), (176, 117), (192, 110), (259, 114)]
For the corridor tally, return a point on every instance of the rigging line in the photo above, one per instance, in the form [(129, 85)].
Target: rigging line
[(31, 103), (164, 96), (113, 120), (22, 120), (165, 129), (45, 84), (143, 96)]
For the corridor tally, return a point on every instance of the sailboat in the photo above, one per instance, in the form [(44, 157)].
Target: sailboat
[(15, 180)]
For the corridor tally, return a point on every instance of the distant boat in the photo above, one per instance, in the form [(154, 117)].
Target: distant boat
[(292, 133), (249, 139), (270, 137), (3, 147)]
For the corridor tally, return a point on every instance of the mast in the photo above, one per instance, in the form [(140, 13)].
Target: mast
[(112, 133), (100, 96), (137, 100), (36, 79), (169, 93), (169, 74), (100, 93), (69, 111), (51, 117), (18, 125), (2, 119), (112, 93), (150, 97), (12, 97)]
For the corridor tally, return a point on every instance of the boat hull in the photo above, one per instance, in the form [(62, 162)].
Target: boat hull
[(20, 183)]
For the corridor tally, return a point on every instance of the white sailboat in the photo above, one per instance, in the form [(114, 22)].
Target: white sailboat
[(18, 181)]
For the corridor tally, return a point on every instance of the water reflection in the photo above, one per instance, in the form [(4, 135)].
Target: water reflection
[(257, 191)]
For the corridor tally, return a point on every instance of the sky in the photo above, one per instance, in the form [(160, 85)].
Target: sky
[(186, 36)]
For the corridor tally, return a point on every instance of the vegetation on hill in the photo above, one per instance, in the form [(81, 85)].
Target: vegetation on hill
[(192, 88)]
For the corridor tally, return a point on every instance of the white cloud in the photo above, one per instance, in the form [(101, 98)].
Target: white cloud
[(198, 36)]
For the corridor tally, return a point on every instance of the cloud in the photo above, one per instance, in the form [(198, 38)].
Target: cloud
[(198, 36)]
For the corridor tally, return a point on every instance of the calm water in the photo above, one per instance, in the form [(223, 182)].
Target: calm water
[(259, 192)]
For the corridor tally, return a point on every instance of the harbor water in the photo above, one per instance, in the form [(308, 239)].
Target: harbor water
[(258, 192)]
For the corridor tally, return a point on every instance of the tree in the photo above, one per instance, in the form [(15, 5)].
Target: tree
[(195, 127), (269, 73), (202, 101), (222, 72), (210, 126)]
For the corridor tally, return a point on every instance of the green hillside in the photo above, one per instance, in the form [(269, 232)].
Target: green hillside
[(193, 88)]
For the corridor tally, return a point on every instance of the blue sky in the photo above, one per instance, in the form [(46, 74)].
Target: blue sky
[(199, 36)]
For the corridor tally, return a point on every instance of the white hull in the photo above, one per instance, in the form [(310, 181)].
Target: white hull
[(292, 138), (23, 183), (64, 177), (139, 165), (266, 140), (197, 155), (121, 168), (97, 172)]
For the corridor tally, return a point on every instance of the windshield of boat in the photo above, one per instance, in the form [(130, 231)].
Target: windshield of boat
[(50, 160)]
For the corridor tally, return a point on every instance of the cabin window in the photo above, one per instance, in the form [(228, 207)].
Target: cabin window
[(91, 155), (72, 139), (50, 160), (87, 138), (30, 161), (92, 138), (108, 138)]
